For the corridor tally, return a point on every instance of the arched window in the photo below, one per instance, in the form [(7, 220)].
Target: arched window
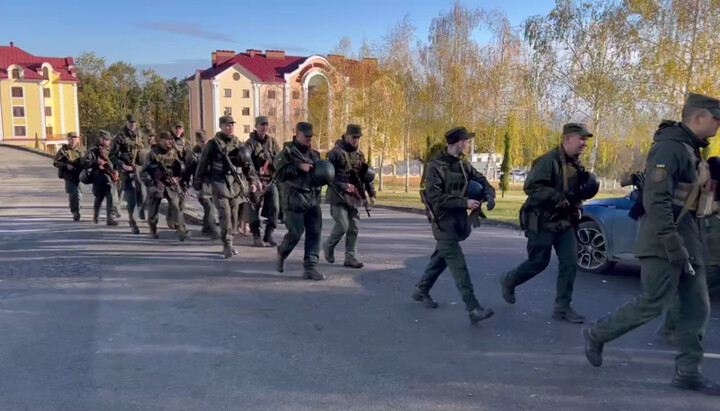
[(46, 72), (16, 73)]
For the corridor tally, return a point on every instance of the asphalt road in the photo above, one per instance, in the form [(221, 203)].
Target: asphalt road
[(93, 317)]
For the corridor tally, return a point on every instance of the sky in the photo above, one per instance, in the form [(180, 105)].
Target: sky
[(176, 39)]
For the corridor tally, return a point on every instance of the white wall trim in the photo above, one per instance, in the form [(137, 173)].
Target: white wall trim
[(256, 99), (216, 104), (42, 111), (62, 109), (2, 127), (286, 108), (77, 109)]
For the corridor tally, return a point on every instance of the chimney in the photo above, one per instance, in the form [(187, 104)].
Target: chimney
[(12, 44), (253, 52), (275, 54), (223, 56), (214, 59)]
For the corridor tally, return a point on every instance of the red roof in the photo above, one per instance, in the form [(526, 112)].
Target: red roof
[(12, 55), (268, 70)]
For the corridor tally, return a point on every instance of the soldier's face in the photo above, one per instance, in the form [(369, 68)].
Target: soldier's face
[(165, 143), (463, 146), (354, 141), (303, 139), (132, 126), (707, 125), (179, 131), (262, 129), (574, 144), (152, 140), (228, 129), (105, 142), (72, 141)]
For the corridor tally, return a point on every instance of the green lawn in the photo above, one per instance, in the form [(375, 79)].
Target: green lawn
[(506, 209)]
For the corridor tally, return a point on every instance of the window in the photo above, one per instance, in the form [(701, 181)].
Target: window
[(48, 111), (16, 73), (48, 131), (271, 94), (236, 76), (246, 93), (246, 111), (46, 72), (20, 131), (17, 92), (18, 111), (296, 112), (296, 95), (271, 112), (228, 111), (246, 129), (46, 92), (228, 92)]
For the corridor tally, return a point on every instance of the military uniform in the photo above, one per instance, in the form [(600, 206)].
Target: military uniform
[(548, 217), (264, 151), (103, 178), (446, 179), (226, 193), (348, 162), (69, 161), (204, 195), (670, 249), (124, 152), (162, 177), (182, 148), (301, 204)]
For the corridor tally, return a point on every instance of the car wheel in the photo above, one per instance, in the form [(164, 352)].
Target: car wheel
[(592, 252)]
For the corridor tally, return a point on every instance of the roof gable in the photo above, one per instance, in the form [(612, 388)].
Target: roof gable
[(267, 69), (31, 64)]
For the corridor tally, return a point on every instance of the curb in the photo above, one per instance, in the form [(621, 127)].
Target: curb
[(487, 222)]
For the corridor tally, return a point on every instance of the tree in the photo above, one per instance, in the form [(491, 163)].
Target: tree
[(505, 166)]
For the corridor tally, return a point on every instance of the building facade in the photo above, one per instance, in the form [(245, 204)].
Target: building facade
[(38, 98)]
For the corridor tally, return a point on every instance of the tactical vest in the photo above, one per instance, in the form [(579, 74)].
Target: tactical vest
[(455, 182), (352, 160), (167, 159), (130, 148), (698, 196)]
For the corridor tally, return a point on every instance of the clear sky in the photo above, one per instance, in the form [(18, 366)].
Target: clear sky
[(176, 39)]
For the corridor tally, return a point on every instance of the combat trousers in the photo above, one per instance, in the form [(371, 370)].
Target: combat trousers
[(539, 248), (74, 192), (662, 282), (208, 213), (713, 283), (448, 253), (130, 188), (270, 209), (346, 223), (173, 200), (228, 214), (309, 222), (104, 191)]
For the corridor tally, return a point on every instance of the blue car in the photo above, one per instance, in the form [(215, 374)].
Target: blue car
[(606, 234)]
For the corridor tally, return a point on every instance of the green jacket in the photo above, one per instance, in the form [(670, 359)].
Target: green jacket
[(263, 150), (545, 187), (213, 169), (668, 163), (444, 182), (69, 162), (347, 160), (125, 149), (298, 195)]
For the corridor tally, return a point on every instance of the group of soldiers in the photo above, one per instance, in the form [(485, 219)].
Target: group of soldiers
[(677, 241)]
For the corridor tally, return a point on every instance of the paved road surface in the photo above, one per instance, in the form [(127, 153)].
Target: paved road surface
[(93, 317)]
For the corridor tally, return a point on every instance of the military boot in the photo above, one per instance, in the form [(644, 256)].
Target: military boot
[(593, 348), (183, 234), (96, 216), (695, 382), (329, 253), (76, 217), (508, 292), (480, 314), (568, 314), (312, 273), (228, 251), (268, 238), (153, 231), (112, 222), (353, 263), (423, 297), (280, 265)]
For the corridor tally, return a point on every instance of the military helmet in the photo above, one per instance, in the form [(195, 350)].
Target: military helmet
[(323, 173), (243, 156), (475, 191), (589, 188), (368, 174), (178, 168)]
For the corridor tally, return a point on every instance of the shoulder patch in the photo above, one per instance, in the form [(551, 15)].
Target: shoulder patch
[(658, 174)]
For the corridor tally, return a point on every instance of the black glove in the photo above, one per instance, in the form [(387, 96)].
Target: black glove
[(677, 254), (490, 200)]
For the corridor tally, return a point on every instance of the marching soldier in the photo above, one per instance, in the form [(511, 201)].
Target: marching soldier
[(103, 177), (549, 216), (669, 244), (264, 149), (124, 155), (204, 196), (446, 181), (68, 161), (217, 165), (182, 148), (162, 177), (346, 193), (295, 168)]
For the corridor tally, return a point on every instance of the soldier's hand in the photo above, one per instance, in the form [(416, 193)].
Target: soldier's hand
[(371, 202), (473, 204), (490, 200), (305, 167), (101, 161), (350, 188), (127, 167), (70, 167)]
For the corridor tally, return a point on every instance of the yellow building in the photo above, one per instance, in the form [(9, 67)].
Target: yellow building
[(38, 98)]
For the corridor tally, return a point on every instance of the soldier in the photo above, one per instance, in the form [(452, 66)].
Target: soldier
[(446, 182), (301, 200), (346, 193), (68, 161), (204, 196), (549, 215), (217, 166), (148, 142), (103, 177), (669, 244), (264, 150), (162, 177), (178, 139), (124, 155)]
